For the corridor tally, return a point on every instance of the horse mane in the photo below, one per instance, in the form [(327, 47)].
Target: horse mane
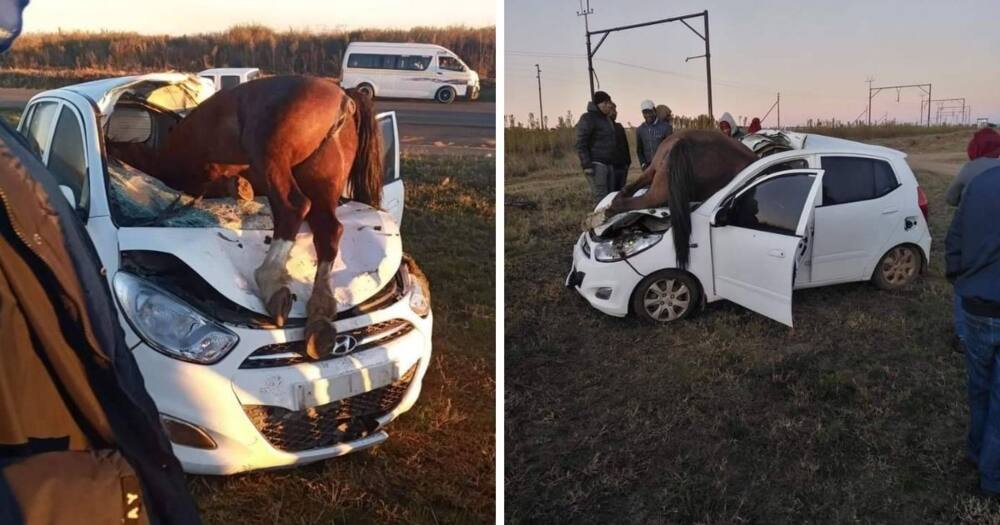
[(366, 172), (680, 169)]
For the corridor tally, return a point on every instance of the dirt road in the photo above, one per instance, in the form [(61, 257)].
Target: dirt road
[(424, 127)]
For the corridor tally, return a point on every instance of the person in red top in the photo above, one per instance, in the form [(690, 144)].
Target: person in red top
[(754, 125)]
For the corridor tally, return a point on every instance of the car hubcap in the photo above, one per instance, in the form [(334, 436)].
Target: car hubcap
[(899, 266), (667, 299), (445, 95)]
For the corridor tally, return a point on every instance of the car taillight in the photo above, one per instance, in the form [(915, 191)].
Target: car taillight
[(922, 202)]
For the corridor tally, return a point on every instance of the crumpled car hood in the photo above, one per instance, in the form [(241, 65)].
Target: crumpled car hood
[(370, 254), (601, 226)]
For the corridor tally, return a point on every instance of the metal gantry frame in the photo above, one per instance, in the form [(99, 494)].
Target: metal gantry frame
[(960, 110), (592, 50), (872, 91)]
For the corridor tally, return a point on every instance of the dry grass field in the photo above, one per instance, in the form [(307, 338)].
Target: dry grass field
[(856, 415)]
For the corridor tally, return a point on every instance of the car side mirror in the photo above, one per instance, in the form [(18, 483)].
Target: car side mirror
[(68, 193), (722, 216)]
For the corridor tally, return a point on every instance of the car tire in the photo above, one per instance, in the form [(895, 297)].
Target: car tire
[(898, 267), (666, 296), (367, 90), (445, 95)]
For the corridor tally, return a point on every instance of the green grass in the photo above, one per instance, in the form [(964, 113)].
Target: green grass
[(438, 465), (856, 415)]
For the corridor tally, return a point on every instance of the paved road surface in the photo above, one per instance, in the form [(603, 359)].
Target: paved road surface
[(461, 126)]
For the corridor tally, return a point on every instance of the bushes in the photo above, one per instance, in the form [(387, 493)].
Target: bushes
[(239, 46)]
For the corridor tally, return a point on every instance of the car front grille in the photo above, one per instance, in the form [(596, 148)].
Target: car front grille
[(330, 424), (294, 352)]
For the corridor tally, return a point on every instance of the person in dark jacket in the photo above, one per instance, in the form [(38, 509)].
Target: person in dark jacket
[(80, 438), (623, 157), (595, 144), (984, 153), (651, 132), (972, 264)]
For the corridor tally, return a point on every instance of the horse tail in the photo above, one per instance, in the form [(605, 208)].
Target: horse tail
[(366, 172), (680, 169)]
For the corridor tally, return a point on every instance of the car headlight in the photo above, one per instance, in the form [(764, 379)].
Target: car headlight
[(419, 297), (168, 324), (625, 246)]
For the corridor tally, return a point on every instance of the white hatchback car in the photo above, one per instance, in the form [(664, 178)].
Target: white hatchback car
[(235, 392), (812, 211)]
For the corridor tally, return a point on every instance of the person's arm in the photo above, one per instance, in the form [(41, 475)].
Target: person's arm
[(639, 153), (583, 131), (954, 192), (953, 245)]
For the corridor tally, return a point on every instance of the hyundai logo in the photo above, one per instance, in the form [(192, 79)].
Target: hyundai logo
[(344, 344)]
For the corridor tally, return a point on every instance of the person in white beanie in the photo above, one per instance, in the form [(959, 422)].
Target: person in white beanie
[(650, 133)]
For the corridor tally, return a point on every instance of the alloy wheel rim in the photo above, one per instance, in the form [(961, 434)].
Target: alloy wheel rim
[(899, 266), (667, 299)]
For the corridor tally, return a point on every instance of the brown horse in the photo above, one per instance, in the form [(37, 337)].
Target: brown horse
[(298, 140), (689, 166)]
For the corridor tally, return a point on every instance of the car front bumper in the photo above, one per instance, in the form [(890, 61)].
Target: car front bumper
[(607, 286), (224, 400)]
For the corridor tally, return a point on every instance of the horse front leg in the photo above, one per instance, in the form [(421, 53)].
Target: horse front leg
[(321, 310), (289, 207)]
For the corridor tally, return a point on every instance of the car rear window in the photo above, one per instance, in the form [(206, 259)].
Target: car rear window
[(853, 179)]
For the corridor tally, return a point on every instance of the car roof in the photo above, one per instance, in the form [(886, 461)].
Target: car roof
[(228, 70), (397, 45), (95, 89), (824, 144)]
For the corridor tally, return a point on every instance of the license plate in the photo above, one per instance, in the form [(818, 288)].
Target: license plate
[(330, 389)]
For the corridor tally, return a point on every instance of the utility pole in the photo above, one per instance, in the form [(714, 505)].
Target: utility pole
[(779, 110), (590, 55), (870, 80), (540, 112)]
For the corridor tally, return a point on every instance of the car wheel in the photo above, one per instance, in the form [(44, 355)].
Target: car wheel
[(367, 90), (445, 95), (897, 268), (666, 296)]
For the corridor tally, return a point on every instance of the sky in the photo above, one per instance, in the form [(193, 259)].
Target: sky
[(199, 16), (817, 54)]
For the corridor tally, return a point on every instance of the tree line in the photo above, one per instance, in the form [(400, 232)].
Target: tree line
[(274, 52)]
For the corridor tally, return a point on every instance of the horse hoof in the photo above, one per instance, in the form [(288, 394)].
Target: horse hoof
[(279, 305), (321, 337), (244, 190)]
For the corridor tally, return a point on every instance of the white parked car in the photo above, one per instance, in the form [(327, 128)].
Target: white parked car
[(408, 71), (813, 211), (235, 392), (229, 77)]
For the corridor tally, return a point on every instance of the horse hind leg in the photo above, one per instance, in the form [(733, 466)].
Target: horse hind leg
[(289, 207)]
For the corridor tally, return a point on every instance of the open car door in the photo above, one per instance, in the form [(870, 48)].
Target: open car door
[(392, 189), (759, 234)]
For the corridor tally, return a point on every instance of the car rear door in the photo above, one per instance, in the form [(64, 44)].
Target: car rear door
[(759, 234), (392, 182)]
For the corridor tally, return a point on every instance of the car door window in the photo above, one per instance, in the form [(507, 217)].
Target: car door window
[(230, 81), (388, 150), (853, 179), (39, 127), (67, 159), (450, 64), (774, 205)]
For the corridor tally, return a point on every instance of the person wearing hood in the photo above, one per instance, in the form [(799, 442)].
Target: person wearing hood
[(623, 157), (728, 126), (984, 154), (651, 132), (596, 144), (754, 125)]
